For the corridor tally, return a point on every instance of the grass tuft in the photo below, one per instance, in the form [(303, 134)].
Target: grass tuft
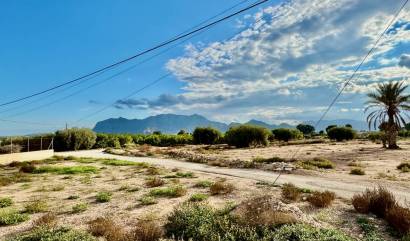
[(317, 162), (11, 216), (148, 200), (175, 191), (154, 182), (203, 184), (198, 197), (6, 202), (66, 170), (79, 208), (321, 199), (290, 192), (103, 197), (357, 171), (221, 187), (36, 206)]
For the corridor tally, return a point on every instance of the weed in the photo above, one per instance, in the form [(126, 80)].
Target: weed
[(147, 200), (27, 168), (369, 229), (54, 234), (57, 188), (268, 160), (47, 220), (73, 197), (198, 197), (203, 184), (175, 191), (153, 171), (154, 182), (321, 199), (80, 207), (404, 167), (114, 162), (106, 227), (66, 170), (290, 192), (316, 163), (377, 201), (357, 171), (103, 197), (36, 206), (11, 216), (221, 187), (185, 174), (86, 179), (6, 202), (399, 218), (147, 231)]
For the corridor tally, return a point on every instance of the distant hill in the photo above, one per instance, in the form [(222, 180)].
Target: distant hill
[(357, 125), (171, 123)]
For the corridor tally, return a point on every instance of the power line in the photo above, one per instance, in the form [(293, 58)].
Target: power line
[(178, 37), (347, 82)]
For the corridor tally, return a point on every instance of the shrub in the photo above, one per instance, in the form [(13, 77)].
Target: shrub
[(147, 231), (369, 229), (284, 134), (290, 192), (301, 232), (54, 234), (6, 202), (404, 167), (154, 182), (106, 141), (11, 216), (247, 136), (80, 207), (305, 129), (221, 187), (399, 218), (341, 133), (206, 135), (66, 170), (198, 197), (357, 171), (125, 140), (203, 184), (103, 197), (374, 136), (321, 199), (74, 139), (27, 168), (147, 200), (106, 227), (36, 206), (7, 149), (175, 191), (377, 201), (330, 127), (47, 220), (317, 162)]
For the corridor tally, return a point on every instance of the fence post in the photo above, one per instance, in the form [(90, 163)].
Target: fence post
[(41, 143), (28, 144), (11, 145)]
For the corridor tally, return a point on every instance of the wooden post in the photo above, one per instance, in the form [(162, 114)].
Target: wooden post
[(41, 143), (28, 144)]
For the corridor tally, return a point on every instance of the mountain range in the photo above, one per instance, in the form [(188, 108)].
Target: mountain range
[(171, 123)]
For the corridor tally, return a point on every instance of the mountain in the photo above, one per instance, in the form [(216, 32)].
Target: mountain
[(166, 123), (269, 126), (357, 125)]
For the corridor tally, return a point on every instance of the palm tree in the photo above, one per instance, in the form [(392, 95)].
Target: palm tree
[(388, 105)]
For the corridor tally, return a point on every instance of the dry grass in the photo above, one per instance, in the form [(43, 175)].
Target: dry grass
[(399, 218), (107, 228), (357, 171), (221, 187), (48, 220), (290, 192), (377, 201), (36, 206), (147, 231), (321, 199), (154, 182)]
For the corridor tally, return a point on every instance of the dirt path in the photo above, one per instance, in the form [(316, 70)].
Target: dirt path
[(343, 188)]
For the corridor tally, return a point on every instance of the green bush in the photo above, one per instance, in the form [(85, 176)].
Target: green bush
[(404, 133), (284, 134), (330, 127), (5, 202), (80, 207), (107, 140), (206, 135), (74, 139), (12, 216), (54, 234), (305, 129), (247, 136), (198, 197), (375, 136), (103, 197), (341, 133), (301, 232)]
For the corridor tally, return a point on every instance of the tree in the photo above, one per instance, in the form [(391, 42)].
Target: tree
[(305, 128), (388, 104), (206, 135), (348, 126), (330, 127)]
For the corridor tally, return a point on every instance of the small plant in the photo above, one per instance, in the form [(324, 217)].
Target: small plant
[(36, 206), (114, 162), (106, 227), (175, 191), (268, 160), (321, 199), (317, 162), (369, 229), (185, 174), (148, 200), (377, 201), (154, 182), (66, 170), (290, 192), (27, 168), (221, 187), (11, 216), (399, 218), (80, 207), (6, 202), (357, 171), (203, 184), (57, 188), (198, 197), (73, 197), (147, 231), (404, 167), (103, 197), (48, 220), (54, 234)]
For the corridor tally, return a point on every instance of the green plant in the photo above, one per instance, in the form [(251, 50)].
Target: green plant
[(369, 229), (404, 167), (147, 230), (302, 232), (74, 139), (203, 184), (290, 192), (36, 206), (175, 191), (66, 170), (357, 171), (148, 200), (341, 133), (284, 134), (221, 187), (305, 129), (198, 197), (114, 162), (80, 207), (247, 136), (317, 163), (54, 234), (268, 160), (11, 216), (206, 135), (6, 202), (321, 199), (103, 197)]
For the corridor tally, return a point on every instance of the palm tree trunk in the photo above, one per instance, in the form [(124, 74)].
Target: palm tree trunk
[(392, 134)]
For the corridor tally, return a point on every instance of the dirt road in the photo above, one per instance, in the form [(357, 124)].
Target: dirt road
[(343, 188)]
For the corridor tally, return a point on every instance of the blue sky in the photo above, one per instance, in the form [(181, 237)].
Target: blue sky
[(282, 62)]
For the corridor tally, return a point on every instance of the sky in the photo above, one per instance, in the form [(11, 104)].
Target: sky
[(283, 61)]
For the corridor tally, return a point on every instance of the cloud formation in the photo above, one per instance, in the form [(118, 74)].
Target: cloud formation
[(293, 56)]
